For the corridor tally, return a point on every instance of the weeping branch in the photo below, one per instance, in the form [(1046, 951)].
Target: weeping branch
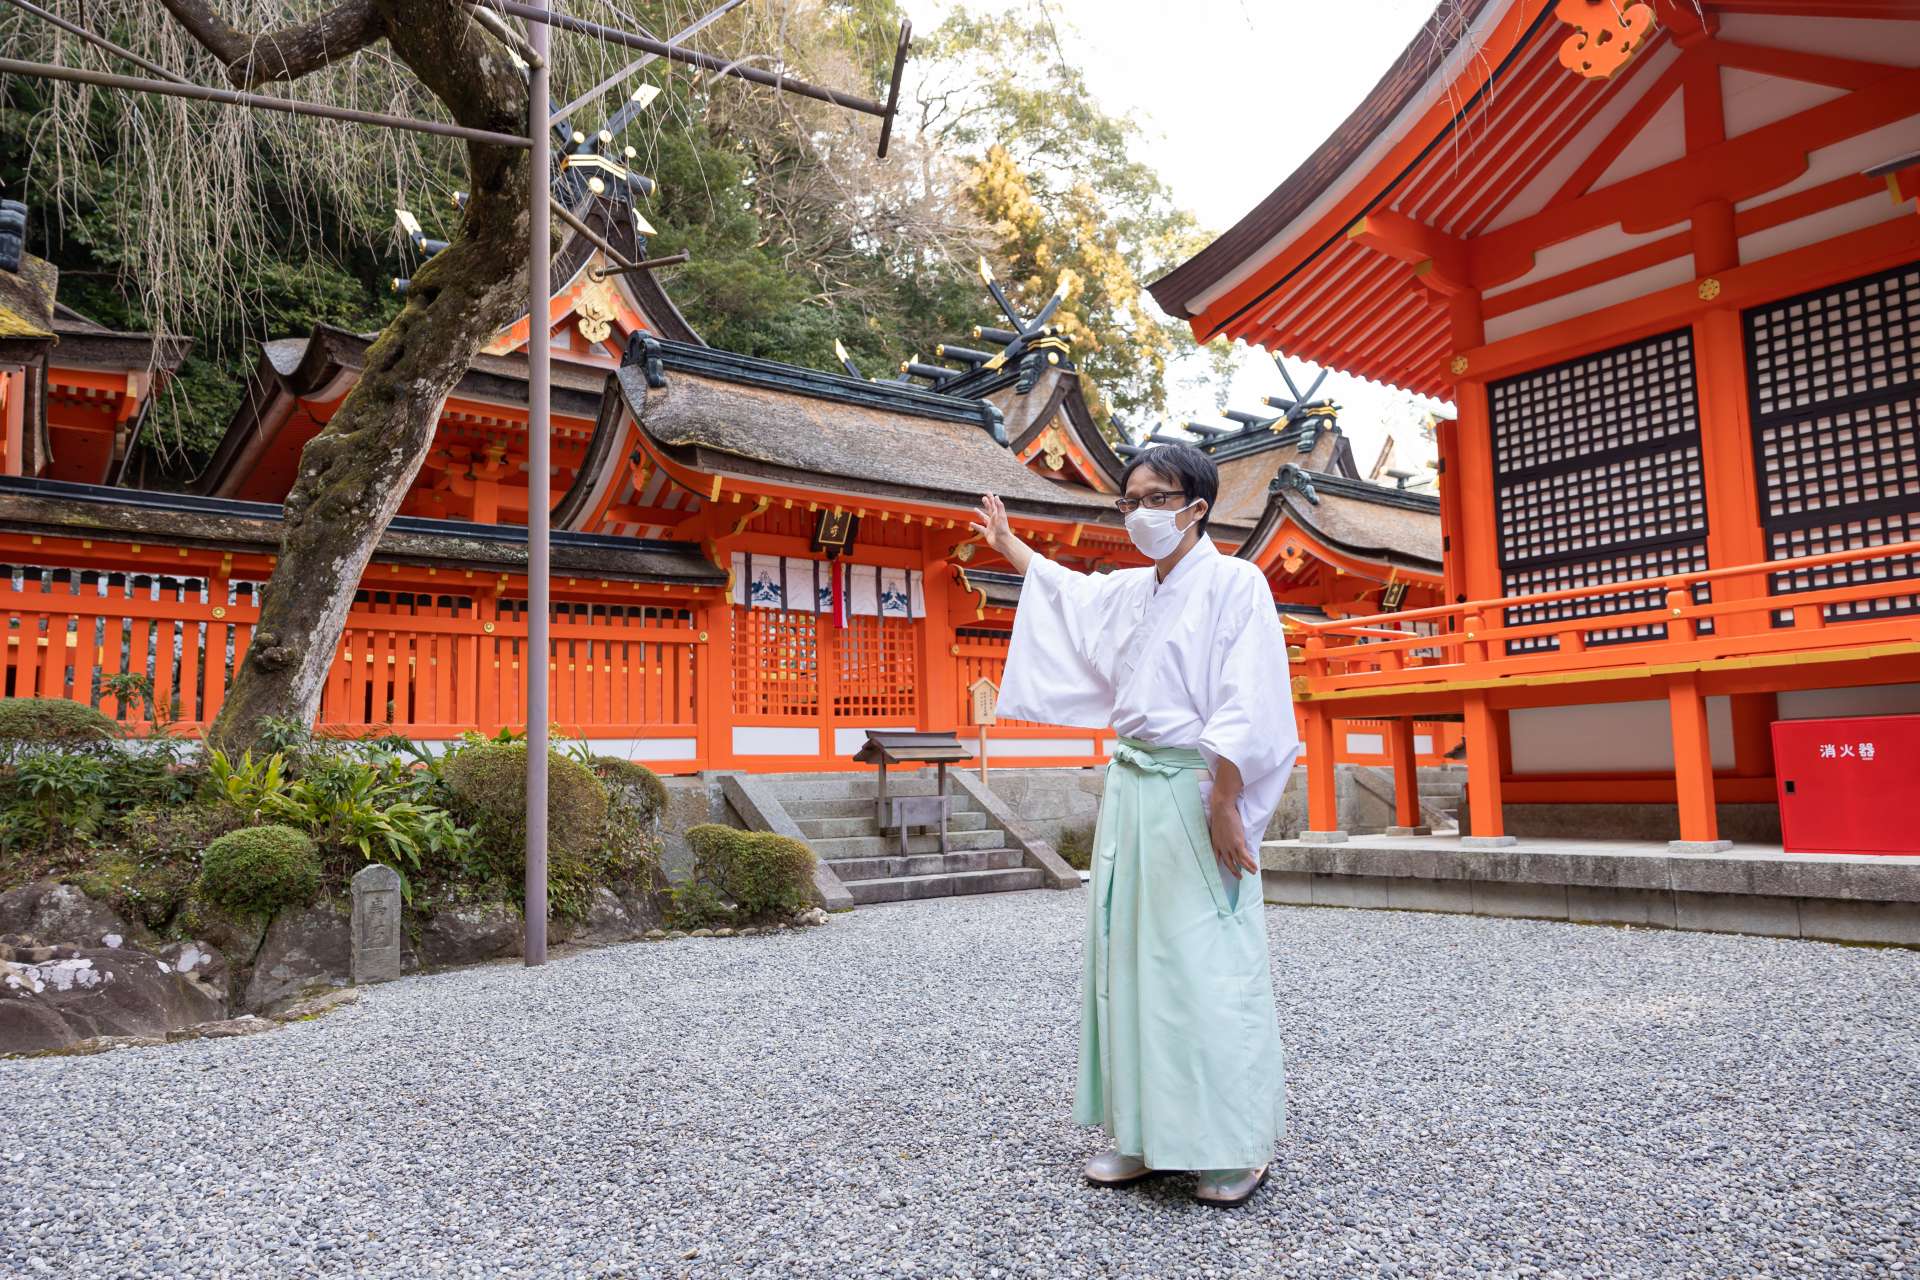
[(286, 54)]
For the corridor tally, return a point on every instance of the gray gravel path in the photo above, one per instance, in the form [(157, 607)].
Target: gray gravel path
[(888, 1096)]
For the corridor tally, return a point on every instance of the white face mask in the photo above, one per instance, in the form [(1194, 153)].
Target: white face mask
[(1155, 533)]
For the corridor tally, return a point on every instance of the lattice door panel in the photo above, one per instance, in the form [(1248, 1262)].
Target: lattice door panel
[(1853, 340), (1868, 531), (1630, 399), (1834, 387), (1624, 568), (1632, 500), (879, 672), (776, 663), (1598, 478)]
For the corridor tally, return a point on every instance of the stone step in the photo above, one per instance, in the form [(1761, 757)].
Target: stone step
[(864, 825), (838, 850), (854, 870), (832, 786), (862, 806), (904, 888)]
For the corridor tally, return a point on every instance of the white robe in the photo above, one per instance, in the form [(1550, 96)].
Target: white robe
[(1180, 1056), (1196, 661)]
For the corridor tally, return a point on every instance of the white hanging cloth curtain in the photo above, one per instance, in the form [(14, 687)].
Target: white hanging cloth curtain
[(806, 586)]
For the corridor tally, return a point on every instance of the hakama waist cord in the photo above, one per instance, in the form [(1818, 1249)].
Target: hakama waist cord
[(1180, 1058)]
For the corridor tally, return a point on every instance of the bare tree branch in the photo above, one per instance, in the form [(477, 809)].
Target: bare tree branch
[(286, 54)]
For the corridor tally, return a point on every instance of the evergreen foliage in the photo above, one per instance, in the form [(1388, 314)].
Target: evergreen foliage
[(744, 876), (798, 235), (257, 871)]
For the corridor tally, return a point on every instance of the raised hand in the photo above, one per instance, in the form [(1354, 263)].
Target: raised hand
[(990, 522)]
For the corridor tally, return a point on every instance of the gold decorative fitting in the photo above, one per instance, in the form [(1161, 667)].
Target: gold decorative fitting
[(1709, 289), (595, 311), (1054, 447), (219, 611), (703, 637), (1606, 34), (1458, 365), (487, 627)]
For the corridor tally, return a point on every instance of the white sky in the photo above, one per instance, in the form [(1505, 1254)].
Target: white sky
[(1232, 95)]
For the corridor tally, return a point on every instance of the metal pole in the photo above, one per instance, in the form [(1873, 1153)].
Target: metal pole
[(257, 101), (538, 15), (539, 494)]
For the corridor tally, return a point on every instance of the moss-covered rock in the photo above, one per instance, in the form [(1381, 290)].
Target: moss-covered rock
[(1075, 846), (748, 876), (29, 723), (257, 871)]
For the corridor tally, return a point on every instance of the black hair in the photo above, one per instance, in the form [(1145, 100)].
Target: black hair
[(1184, 465)]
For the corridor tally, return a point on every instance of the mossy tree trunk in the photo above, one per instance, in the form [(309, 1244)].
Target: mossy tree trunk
[(354, 474)]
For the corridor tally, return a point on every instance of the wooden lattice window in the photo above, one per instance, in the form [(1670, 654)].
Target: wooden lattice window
[(1598, 478), (878, 671), (776, 663), (1834, 388)]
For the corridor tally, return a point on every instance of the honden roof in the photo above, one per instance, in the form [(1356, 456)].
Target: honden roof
[(1259, 233), (726, 414), (55, 508), (1392, 528), (26, 301)]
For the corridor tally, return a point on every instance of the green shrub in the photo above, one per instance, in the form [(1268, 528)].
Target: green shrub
[(486, 784), (1075, 847), (51, 796), (30, 723), (633, 787), (762, 875), (258, 870)]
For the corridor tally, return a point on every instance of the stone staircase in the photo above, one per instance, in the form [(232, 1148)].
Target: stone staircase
[(835, 813), (1442, 795)]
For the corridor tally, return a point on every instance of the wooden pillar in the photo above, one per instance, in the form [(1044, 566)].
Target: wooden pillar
[(1323, 796), (1473, 482), (13, 396), (1406, 780), (1753, 717), (939, 664), (1692, 767), (1735, 535), (1486, 734)]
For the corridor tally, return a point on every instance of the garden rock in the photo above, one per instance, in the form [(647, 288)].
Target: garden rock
[(202, 962), (607, 920), (100, 991), (50, 912), (470, 934), (302, 950)]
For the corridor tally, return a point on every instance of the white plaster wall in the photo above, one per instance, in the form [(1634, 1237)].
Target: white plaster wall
[(1868, 700), (1613, 737), (768, 740)]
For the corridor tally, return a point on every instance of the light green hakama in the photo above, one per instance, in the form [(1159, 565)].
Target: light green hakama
[(1180, 1058)]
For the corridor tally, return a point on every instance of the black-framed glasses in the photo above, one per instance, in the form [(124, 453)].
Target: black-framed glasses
[(1159, 501)]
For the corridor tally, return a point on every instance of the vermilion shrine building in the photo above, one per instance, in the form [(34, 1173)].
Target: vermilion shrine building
[(1666, 262), (707, 507)]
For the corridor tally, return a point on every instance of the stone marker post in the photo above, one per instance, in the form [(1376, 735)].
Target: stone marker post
[(376, 924)]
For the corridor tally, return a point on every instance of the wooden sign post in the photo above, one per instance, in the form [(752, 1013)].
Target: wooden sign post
[(986, 702)]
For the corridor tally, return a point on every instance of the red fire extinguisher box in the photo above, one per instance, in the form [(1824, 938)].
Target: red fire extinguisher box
[(1849, 786)]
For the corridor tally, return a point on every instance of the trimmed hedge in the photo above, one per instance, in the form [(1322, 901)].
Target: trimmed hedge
[(761, 875), (258, 870), (52, 722), (633, 786), (487, 783)]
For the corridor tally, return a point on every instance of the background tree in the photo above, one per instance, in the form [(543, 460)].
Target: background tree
[(233, 228)]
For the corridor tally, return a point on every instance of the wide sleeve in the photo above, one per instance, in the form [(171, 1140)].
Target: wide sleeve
[(1058, 670), (1250, 717)]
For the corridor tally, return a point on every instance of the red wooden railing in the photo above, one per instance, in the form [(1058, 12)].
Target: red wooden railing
[(1743, 620)]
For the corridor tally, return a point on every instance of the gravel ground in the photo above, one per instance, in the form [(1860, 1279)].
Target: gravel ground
[(889, 1095)]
